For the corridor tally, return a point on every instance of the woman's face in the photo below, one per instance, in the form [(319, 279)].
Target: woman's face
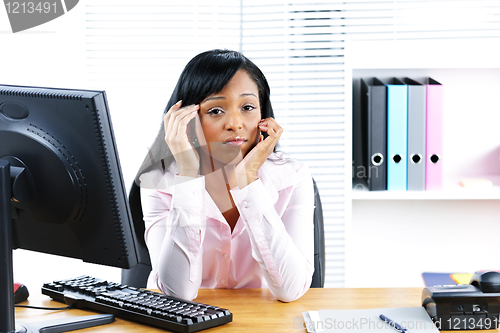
[(229, 119)]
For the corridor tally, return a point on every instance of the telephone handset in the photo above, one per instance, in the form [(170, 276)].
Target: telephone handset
[(473, 306), (487, 282)]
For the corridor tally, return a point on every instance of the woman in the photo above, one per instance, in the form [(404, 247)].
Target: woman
[(225, 210)]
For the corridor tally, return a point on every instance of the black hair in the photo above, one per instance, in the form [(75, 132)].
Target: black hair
[(204, 75), (209, 72)]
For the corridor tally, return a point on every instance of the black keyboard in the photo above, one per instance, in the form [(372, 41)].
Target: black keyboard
[(143, 306)]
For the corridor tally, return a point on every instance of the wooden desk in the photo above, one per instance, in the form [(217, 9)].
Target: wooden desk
[(253, 309)]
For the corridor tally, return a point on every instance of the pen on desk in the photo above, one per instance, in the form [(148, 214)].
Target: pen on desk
[(393, 324)]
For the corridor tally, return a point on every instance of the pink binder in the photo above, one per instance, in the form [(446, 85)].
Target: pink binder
[(434, 136)]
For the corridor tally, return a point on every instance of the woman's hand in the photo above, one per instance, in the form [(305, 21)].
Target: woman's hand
[(247, 169), (176, 123)]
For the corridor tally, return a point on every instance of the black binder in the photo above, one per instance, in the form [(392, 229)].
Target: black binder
[(374, 117)]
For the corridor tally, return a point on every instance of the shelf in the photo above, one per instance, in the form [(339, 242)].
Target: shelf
[(470, 126), (451, 191)]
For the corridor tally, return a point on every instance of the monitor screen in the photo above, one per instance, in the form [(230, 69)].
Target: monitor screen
[(71, 199)]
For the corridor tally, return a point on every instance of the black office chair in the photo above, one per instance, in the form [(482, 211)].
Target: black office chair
[(137, 276), (318, 279)]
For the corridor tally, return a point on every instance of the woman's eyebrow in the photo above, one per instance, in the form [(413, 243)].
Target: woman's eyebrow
[(248, 94), (213, 98)]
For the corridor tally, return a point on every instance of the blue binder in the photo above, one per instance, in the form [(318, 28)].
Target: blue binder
[(397, 132)]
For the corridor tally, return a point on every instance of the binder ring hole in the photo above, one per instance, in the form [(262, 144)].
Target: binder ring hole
[(434, 158), (397, 158), (377, 159), (416, 158)]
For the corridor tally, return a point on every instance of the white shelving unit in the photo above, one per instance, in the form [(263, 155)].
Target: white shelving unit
[(431, 230), (451, 191)]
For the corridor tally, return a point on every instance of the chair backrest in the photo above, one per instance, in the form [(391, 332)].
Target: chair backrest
[(318, 280), (137, 276)]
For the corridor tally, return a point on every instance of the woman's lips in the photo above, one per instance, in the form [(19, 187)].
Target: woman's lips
[(235, 141)]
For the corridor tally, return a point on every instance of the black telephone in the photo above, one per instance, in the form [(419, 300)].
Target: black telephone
[(473, 306)]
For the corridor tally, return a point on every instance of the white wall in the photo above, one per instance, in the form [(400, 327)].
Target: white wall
[(394, 241)]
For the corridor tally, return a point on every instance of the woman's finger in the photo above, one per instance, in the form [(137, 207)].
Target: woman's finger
[(173, 119), (182, 127), (171, 111), (176, 127), (273, 130), (168, 116)]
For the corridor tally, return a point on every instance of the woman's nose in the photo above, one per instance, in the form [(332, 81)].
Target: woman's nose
[(234, 121)]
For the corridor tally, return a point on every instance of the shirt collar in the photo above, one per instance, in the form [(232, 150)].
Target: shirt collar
[(276, 174)]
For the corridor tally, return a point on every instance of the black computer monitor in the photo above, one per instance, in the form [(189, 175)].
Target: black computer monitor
[(61, 181)]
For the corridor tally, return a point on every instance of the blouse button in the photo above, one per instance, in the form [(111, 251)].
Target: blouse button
[(245, 204), (226, 256), (223, 281)]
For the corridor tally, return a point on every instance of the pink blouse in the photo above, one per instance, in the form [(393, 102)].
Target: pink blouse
[(191, 244)]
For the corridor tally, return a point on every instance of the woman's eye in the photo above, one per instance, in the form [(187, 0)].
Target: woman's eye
[(214, 111), (248, 107)]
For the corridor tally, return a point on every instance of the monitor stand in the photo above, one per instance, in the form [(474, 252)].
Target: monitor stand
[(10, 182)]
